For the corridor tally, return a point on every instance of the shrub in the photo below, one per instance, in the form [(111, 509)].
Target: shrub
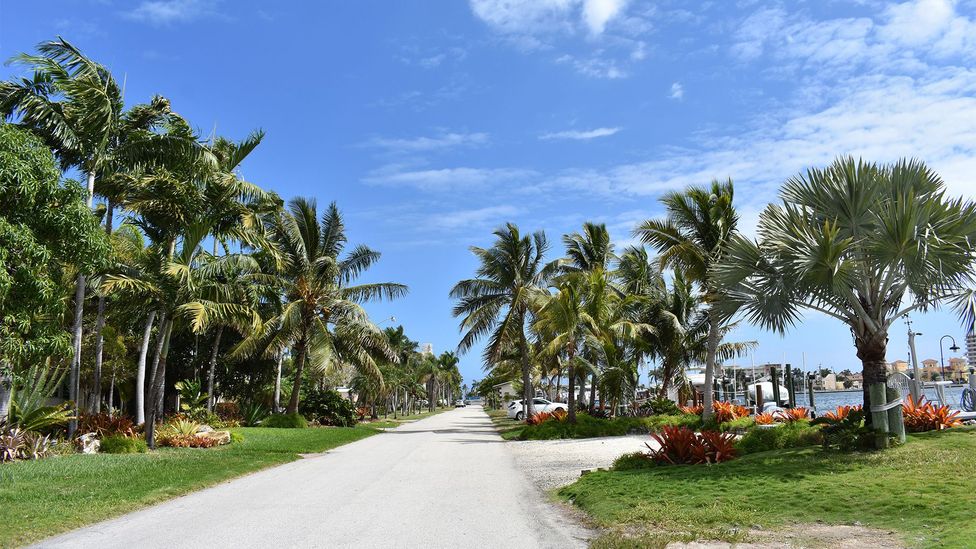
[(285, 421), (327, 407), (682, 446), (16, 443), (555, 415), (236, 438), (42, 418), (632, 461), (175, 440), (740, 424), (228, 411), (655, 423), (728, 411), (848, 433), (120, 444), (657, 406), (253, 414), (104, 425), (789, 435), (182, 427), (764, 418), (586, 426), (925, 416)]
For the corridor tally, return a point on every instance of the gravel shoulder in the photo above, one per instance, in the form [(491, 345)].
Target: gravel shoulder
[(550, 464)]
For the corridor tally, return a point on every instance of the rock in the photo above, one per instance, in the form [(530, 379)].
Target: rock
[(222, 437), (204, 429), (89, 443)]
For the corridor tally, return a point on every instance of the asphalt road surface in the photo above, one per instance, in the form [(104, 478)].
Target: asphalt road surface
[(445, 481)]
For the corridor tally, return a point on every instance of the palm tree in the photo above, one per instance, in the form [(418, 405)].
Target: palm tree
[(496, 303), (695, 236), (563, 316), (860, 242), (322, 318)]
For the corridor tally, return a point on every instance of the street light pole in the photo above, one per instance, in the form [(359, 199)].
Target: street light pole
[(954, 348)]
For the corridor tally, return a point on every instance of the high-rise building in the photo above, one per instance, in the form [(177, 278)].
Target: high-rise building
[(971, 348)]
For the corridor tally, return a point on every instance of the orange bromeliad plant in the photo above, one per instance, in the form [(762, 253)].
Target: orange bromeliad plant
[(728, 411), (925, 416), (765, 418), (792, 414), (842, 412), (692, 410)]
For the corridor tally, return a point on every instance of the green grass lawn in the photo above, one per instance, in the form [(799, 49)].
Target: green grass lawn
[(46, 497), (925, 490), (509, 429), (389, 422)]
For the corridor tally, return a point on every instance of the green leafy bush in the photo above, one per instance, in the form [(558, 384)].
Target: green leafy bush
[(236, 438), (846, 431), (253, 414), (586, 426), (285, 421), (327, 407), (633, 461), (788, 435), (736, 425), (656, 423), (120, 444)]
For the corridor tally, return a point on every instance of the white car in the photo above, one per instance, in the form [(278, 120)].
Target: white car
[(459, 403), (516, 412)]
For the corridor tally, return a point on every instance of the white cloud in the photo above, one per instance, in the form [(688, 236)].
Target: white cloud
[(443, 179), (580, 135), (677, 91), (428, 144), (165, 12), (594, 67), (468, 218), (597, 13)]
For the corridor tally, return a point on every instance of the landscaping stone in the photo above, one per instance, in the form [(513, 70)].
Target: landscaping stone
[(222, 437), (89, 443)]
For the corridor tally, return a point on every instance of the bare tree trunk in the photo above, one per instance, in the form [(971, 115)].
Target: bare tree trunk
[(74, 391), (297, 386), (6, 390), (157, 382), (111, 392), (592, 406), (713, 337), (141, 370), (213, 366), (277, 389)]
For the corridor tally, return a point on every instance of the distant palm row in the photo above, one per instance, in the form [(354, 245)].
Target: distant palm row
[(204, 264), (863, 243)]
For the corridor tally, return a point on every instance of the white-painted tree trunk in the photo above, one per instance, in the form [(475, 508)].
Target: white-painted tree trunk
[(213, 366), (74, 391), (141, 370), (277, 390)]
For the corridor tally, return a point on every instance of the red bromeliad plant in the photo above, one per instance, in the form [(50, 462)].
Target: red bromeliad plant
[(682, 446), (925, 416), (841, 413), (541, 417), (765, 418)]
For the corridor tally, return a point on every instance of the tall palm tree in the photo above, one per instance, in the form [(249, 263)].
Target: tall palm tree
[(322, 318), (693, 238), (563, 315), (496, 302), (860, 242)]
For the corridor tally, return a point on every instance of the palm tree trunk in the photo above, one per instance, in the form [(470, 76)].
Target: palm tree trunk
[(527, 393), (572, 385), (592, 406), (100, 324), (873, 367), (111, 392), (158, 384), (141, 370), (6, 390), (297, 386), (74, 391), (277, 389), (213, 366), (713, 337)]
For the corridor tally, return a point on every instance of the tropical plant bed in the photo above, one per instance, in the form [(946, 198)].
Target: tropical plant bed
[(923, 490), (45, 497)]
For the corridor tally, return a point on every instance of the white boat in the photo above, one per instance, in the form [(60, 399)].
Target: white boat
[(767, 392)]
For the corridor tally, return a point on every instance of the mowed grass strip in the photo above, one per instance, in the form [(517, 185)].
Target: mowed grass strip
[(924, 490), (46, 497)]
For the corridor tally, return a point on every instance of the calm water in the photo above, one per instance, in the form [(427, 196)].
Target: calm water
[(833, 399)]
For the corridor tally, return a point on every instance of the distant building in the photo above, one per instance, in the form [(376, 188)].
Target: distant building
[(931, 370), (957, 369), (971, 348), (898, 366), (826, 383)]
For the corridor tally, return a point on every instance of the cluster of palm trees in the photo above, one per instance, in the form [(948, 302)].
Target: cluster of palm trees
[(199, 250), (415, 380), (857, 241), (598, 316)]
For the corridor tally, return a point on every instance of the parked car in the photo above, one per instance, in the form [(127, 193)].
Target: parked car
[(459, 404), (516, 412)]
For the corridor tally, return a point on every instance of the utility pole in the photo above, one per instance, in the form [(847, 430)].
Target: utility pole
[(917, 385)]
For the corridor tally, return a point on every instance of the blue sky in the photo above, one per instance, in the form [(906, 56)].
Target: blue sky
[(431, 122)]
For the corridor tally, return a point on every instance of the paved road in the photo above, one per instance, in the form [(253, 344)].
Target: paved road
[(445, 481)]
